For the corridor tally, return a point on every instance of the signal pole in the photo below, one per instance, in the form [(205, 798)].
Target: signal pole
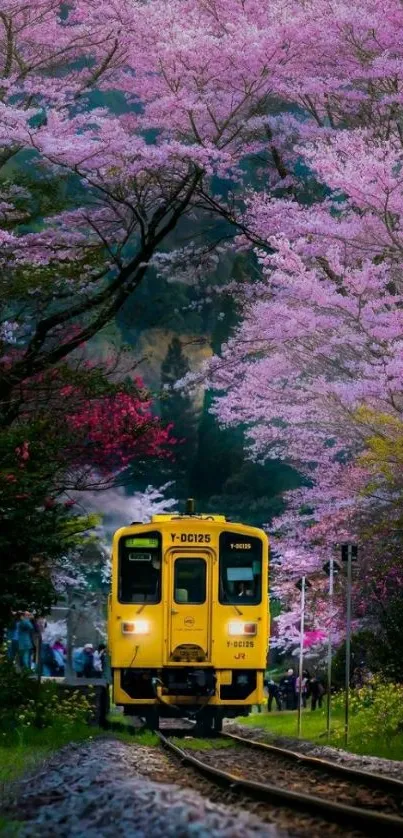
[(302, 584)]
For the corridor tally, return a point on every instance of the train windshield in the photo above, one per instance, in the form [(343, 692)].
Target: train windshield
[(140, 560), (190, 581), (240, 569)]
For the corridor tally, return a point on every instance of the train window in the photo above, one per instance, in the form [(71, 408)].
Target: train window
[(240, 569), (190, 581), (140, 559)]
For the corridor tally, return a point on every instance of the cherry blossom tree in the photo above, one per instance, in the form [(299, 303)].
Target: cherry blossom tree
[(199, 80), (318, 357), (192, 79), (308, 92)]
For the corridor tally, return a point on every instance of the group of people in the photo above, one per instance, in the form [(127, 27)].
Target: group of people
[(286, 692), (89, 662), (27, 650)]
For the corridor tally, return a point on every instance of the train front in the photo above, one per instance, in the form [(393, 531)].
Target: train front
[(188, 618)]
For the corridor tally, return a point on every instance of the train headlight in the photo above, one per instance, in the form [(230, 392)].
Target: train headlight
[(136, 627), (237, 627)]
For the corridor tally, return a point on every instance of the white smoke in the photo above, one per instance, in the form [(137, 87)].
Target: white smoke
[(119, 509)]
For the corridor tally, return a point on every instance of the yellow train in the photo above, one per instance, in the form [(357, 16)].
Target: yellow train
[(188, 618)]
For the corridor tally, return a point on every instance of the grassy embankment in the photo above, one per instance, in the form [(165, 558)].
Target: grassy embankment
[(19, 753), (314, 729), (25, 753)]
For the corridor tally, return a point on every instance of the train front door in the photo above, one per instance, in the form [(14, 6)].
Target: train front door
[(189, 607)]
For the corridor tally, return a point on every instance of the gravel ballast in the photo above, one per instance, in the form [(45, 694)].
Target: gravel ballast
[(108, 788)]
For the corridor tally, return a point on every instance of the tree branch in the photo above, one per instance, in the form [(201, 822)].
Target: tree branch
[(113, 296)]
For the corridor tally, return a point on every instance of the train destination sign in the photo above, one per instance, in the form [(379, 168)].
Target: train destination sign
[(140, 557), (141, 542)]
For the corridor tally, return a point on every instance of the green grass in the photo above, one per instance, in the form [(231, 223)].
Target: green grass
[(10, 828), (314, 729), (124, 730), (26, 752), (195, 744), (20, 754), (120, 719), (142, 737)]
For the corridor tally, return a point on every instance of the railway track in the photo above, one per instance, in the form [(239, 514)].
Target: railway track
[(378, 781), (338, 789)]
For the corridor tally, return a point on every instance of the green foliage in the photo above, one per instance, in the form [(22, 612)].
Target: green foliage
[(34, 529), (380, 652), (222, 479), (166, 308), (9, 828), (147, 738), (177, 408), (24, 703), (379, 705), (32, 537), (174, 367), (16, 688), (284, 724), (389, 639), (364, 653)]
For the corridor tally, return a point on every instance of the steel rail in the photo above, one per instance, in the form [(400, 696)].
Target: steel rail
[(342, 813), (380, 781)]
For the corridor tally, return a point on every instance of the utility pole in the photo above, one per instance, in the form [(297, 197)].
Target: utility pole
[(349, 553), (331, 568)]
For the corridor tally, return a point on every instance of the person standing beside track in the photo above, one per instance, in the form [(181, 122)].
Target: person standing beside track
[(287, 691), (273, 694), (305, 689), (99, 660), (25, 639), (316, 691)]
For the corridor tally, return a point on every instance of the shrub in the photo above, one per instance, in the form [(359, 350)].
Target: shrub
[(25, 703), (379, 705)]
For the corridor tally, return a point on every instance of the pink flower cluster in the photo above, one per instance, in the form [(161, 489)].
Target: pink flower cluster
[(111, 432)]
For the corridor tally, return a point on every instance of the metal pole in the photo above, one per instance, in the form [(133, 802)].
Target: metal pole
[(348, 644), (69, 621), (329, 650), (301, 654)]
